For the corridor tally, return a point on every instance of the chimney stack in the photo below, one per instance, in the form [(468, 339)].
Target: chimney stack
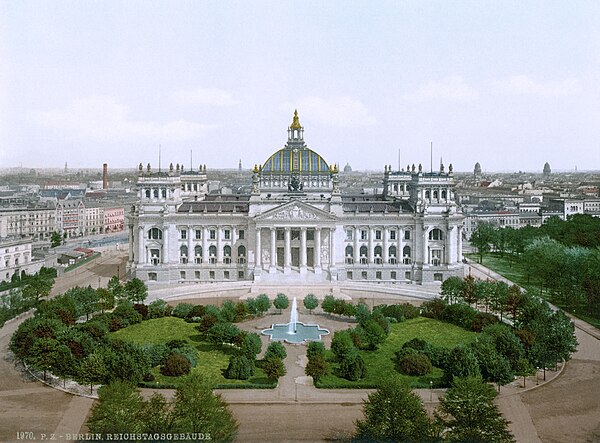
[(105, 176)]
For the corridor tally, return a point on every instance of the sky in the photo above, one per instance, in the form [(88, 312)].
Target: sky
[(509, 84)]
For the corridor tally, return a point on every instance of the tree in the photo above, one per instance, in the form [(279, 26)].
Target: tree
[(468, 413), (315, 348), (414, 364), (352, 366), (281, 302), (482, 237), (117, 411), (341, 344), (43, 354), (135, 291), (106, 299), (251, 345), (328, 304), (222, 333), (394, 413), (115, 287), (240, 367), (317, 367), (274, 368), (469, 290), (197, 410), (93, 369), (461, 362), (263, 303), (55, 240), (276, 349), (38, 287), (176, 365), (311, 302), (452, 289)]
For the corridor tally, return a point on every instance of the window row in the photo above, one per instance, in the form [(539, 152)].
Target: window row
[(393, 275), (157, 234), (364, 234), (212, 253), (378, 253)]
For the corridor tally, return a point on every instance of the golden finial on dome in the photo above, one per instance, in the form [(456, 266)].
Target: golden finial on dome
[(255, 170), (296, 122)]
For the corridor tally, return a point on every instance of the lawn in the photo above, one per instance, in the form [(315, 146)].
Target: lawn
[(380, 364), (212, 359), (517, 274)]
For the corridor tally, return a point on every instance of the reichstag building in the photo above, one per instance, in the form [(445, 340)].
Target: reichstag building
[(295, 226)]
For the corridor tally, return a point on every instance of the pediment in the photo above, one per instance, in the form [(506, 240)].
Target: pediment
[(297, 211)]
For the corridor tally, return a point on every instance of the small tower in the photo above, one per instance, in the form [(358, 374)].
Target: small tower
[(547, 171), (477, 171), (240, 165)]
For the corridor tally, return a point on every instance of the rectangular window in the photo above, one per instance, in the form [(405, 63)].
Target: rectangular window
[(295, 235), (241, 275), (393, 235), (407, 275), (198, 234), (378, 275), (406, 235), (363, 234), (152, 276), (377, 234), (364, 275), (197, 275), (393, 275), (438, 276), (226, 275), (227, 234), (241, 234), (279, 233), (349, 234), (349, 275), (213, 234), (310, 234), (212, 275), (182, 275), (183, 234)]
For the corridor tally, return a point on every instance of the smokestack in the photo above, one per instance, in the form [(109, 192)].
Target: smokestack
[(105, 176)]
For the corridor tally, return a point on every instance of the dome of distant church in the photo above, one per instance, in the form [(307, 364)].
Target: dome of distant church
[(347, 168), (295, 157)]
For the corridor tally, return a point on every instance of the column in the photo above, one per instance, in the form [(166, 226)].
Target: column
[(386, 255), (302, 249), (190, 245), (448, 245), (318, 249), (219, 245), (400, 256), (165, 252), (204, 244), (273, 265), (131, 234), (459, 256), (371, 247), (288, 249), (257, 250), (425, 245), (141, 259), (356, 245)]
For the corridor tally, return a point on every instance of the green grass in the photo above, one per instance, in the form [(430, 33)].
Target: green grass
[(212, 359), (380, 364), (514, 270)]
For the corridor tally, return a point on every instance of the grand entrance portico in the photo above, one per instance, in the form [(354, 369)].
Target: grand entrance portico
[(293, 239)]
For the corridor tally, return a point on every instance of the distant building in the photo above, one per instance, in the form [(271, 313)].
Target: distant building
[(477, 171), (114, 219), (70, 217), (347, 168), (16, 258), (34, 223), (547, 170)]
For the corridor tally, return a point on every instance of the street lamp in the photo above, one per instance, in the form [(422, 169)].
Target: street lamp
[(430, 390), (537, 375)]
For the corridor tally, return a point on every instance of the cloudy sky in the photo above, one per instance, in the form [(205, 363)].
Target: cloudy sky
[(510, 84)]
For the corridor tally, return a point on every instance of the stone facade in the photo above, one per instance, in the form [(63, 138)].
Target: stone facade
[(296, 226)]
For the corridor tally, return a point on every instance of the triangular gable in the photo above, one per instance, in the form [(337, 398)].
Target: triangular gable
[(296, 210)]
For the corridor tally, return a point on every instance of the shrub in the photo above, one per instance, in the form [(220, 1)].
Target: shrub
[(176, 365), (317, 367), (310, 302), (460, 314), (196, 311), (174, 344), (207, 322), (142, 310), (414, 364), (241, 311), (159, 308), (352, 366), (240, 367), (416, 343), (188, 352), (156, 353), (275, 349), (222, 333), (483, 319), (315, 348), (341, 344), (434, 308), (127, 314), (182, 310), (398, 312), (273, 368), (148, 377), (251, 345)]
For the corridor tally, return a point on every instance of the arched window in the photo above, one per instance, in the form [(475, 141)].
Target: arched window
[(378, 253), (435, 194), (156, 193), (154, 234), (363, 255), (147, 193), (349, 255), (406, 251), (436, 234), (427, 194), (212, 251), (183, 254), (227, 251), (392, 253), (241, 252), (198, 254), (444, 194)]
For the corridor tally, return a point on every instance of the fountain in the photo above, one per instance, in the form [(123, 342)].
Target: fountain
[(295, 331)]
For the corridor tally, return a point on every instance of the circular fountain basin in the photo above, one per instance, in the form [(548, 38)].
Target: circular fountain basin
[(282, 332)]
